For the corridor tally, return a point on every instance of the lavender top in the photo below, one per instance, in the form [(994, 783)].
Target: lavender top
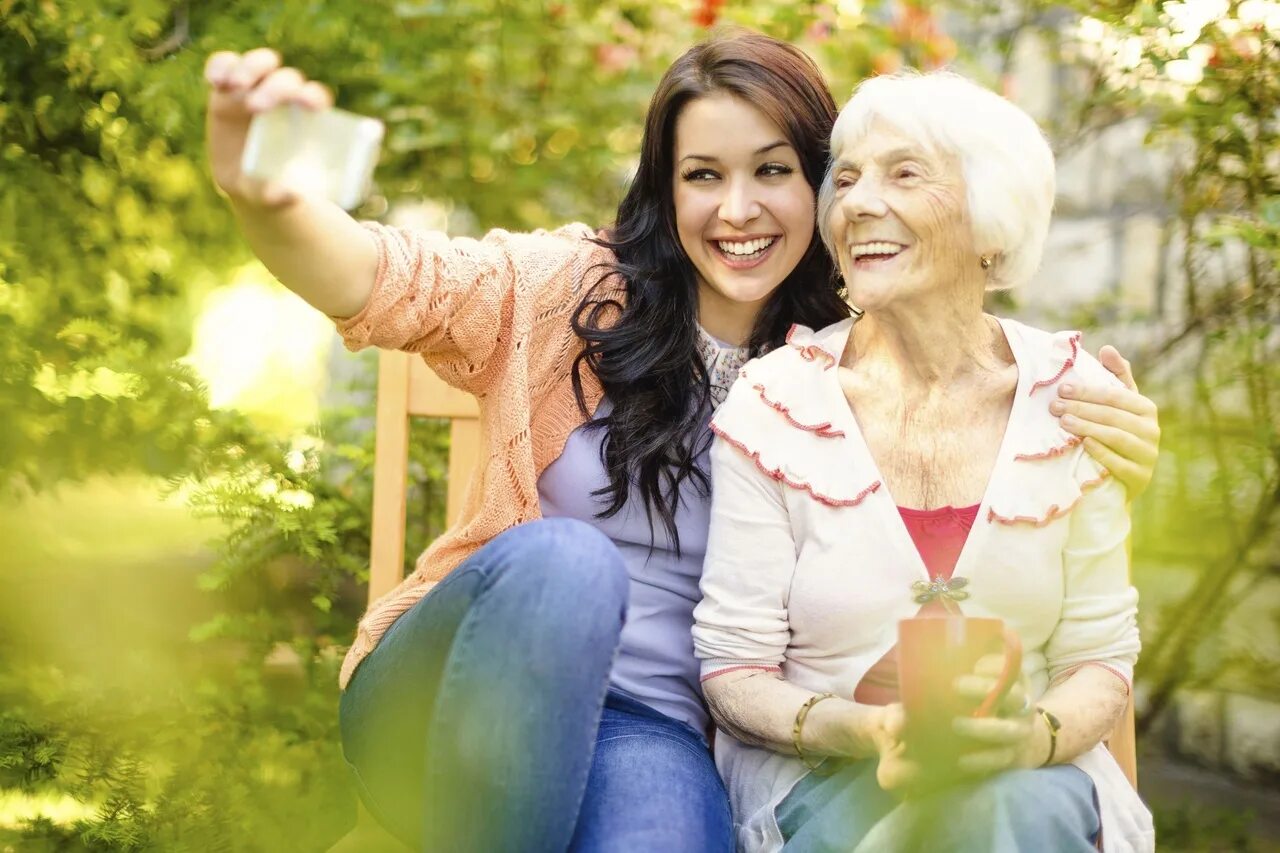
[(655, 663)]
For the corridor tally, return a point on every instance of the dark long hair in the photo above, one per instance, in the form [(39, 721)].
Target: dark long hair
[(647, 361)]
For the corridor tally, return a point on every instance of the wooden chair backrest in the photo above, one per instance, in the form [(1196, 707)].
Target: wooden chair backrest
[(1123, 744), (407, 388)]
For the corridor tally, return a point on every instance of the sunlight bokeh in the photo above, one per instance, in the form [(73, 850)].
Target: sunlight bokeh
[(17, 808), (1181, 24), (261, 350)]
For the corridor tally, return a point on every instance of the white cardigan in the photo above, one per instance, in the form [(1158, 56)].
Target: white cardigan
[(809, 566)]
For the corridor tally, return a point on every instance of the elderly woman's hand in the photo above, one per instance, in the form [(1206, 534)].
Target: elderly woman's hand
[(1120, 427), (895, 772), (1005, 740)]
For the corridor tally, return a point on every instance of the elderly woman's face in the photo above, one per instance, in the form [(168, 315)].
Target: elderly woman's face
[(899, 223)]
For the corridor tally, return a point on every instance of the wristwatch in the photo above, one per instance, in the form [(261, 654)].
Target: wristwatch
[(1054, 725)]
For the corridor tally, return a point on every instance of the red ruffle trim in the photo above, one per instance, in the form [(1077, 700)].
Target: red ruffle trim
[(812, 352), (822, 430), (1108, 667), (776, 474), (729, 669), (1074, 340), (1054, 513), (1073, 441)]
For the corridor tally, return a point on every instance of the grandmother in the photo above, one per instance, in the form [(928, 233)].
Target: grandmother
[(911, 444)]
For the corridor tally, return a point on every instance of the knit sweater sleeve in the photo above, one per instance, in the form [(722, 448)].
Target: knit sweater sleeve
[(466, 305)]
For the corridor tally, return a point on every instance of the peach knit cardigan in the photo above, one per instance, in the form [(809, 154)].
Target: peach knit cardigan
[(492, 317)]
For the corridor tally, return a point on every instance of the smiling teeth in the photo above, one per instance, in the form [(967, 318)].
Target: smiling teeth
[(862, 249), (748, 248)]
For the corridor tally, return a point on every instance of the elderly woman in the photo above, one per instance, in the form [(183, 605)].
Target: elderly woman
[(915, 447)]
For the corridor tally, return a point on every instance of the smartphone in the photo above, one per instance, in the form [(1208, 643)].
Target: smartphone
[(321, 153)]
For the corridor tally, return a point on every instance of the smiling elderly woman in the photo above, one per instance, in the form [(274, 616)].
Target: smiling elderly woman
[(916, 444)]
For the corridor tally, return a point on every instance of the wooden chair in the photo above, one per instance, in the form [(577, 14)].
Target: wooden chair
[(406, 389), (1123, 744), (1123, 741)]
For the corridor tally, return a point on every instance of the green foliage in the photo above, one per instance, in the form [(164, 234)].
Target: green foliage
[(105, 217), (110, 231), (1212, 96), (293, 564), (236, 763), (1194, 827)]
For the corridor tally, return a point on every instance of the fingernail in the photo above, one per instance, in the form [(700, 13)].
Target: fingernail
[(1069, 420), (1057, 407), (1067, 390)]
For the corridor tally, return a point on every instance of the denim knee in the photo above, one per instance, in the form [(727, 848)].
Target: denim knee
[(1014, 792), (1054, 800), (564, 555)]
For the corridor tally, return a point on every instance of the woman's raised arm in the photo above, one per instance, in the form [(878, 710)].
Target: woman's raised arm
[(312, 246)]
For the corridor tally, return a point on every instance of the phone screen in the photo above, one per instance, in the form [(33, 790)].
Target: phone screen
[(321, 153)]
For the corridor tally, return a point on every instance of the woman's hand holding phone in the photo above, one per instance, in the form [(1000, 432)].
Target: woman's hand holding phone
[(315, 249), (241, 87)]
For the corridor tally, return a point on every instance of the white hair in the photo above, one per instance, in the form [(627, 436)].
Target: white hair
[(1005, 160)]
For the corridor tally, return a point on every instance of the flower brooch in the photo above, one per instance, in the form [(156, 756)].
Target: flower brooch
[(946, 592)]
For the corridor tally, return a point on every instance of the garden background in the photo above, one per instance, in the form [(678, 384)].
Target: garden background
[(185, 452)]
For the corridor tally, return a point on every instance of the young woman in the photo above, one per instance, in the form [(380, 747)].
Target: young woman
[(532, 684)]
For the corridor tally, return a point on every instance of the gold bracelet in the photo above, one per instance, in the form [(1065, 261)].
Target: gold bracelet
[(799, 725), (1054, 726)]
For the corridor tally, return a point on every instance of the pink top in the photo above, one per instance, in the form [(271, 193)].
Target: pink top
[(939, 535)]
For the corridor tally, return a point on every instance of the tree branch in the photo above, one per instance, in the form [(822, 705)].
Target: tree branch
[(179, 36), (1194, 614)]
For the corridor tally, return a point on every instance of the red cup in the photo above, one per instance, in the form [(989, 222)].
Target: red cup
[(933, 651)]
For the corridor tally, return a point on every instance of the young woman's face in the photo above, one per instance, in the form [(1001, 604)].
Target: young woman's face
[(744, 211)]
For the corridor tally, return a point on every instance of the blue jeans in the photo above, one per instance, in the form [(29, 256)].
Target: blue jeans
[(1050, 810), (474, 723), (653, 786)]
